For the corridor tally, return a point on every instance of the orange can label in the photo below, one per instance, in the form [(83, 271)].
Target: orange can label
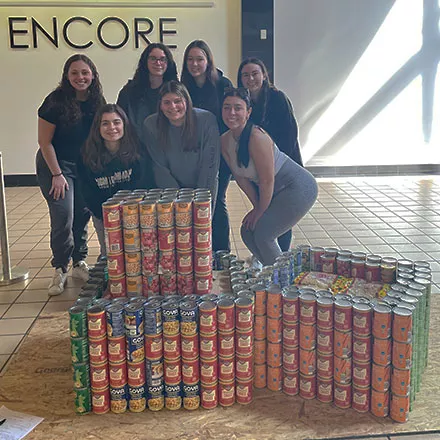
[(260, 326), (307, 336), (307, 361), (380, 403), (399, 408), (274, 354), (342, 343), (260, 302), (400, 381), (402, 354), (260, 379), (274, 378), (382, 351), (342, 370), (380, 377), (260, 351), (274, 305), (274, 330)]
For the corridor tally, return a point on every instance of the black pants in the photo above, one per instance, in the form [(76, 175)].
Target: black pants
[(220, 220), (285, 240), (68, 217)]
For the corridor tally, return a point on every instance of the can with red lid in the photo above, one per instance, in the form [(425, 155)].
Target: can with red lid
[(149, 241), (307, 386), (244, 316), (244, 367), (260, 326), (202, 237), (184, 238), (244, 391), (400, 381), (307, 361), (382, 316), (172, 371), (98, 351), (380, 403), (166, 238), (190, 346), (342, 370), (274, 378), (101, 400), (226, 315), (274, 302), (307, 336), (361, 399), (136, 373), (171, 346), (208, 345), (190, 371), (361, 348), (99, 376), (361, 374), (149, 262), (324, 340), (209, 395), (226, 368), (226, 393), (307, 308), (343, 319), (260, 351), (382, 351), (324, 312), (290, 382), (209, 370), (324, 365), (244, 342), (153, 346), (111, 214), (342, 395), (380, 377), (290, 306), (343, 343), (291, 334), (290, 358), (362, 319), (114, 241), (260, 379), (274, 354), (202, 283), (116, 349), (117, 374), (116, 265), (324, 389), (274, 330), (226, 344)]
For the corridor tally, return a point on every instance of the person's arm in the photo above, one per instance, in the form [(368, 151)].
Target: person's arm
[(46, 132), (92, 195), (144, 172), (123, 99)]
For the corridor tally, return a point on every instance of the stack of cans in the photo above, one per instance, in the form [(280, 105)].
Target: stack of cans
[(305, 258), (225, 334), (260, 333)]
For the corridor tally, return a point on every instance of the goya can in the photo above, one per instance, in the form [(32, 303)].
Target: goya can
[(137, 398), (156, 399), (154, 371), (173, 397), (115, 320), (135, 348), (188, 318), (134, 319), (183, 212), (170, 318), (119, 399), (153, 318)]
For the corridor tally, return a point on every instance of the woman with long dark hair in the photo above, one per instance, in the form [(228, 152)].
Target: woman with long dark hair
[(183, 142), (64, 121), (272, 111), (138, 98), (206, 85), (280, 190), (111, 160)]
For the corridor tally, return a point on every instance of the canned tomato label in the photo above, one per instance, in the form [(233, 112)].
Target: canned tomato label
[(274, 302), (362, 319), (260, 351), (81, 375), (226, 315), (361, 348), (190, 371), (274, 330), (307, 308), (136, 374), (166, 238), (380, 377), (171, 346), (209, 370), (324, 389), (307, 336), (399, 408), (274, 354), (149, 241), (291, 334), (135, 348), (79, 349), (361, 399), (380, 403), (290, 306), (290, 382), (203, 283), (343, 319), (117, 287), (111, 215), (244, 342), (402, 355), (190, 346), (116, 349), (290, 358), (153, 346), (209, 395), (98, 351), (243, 392), (96, 323), (244, 367), (324, 312), (342, 395), (119, 399), (185, 284), (115, 321), (208, 345), (168, 284), (226, 369), (260, 326), (243, 313), (307, 386), (342, 370), (134, 319), (361, 374), (400, 381), (101, 401), (226, 344), (382, 321), (226, 391), (274, 378), (324, 340), (307, 363), (260, 379), (184, 238), (114, 241), (149, 262), (402, 325), (118, 374), (150, 285), (184, 262), (172, 371), (382, 351), (324, 365), (202, 261), (208, 317), (202, 238), (343, 343)]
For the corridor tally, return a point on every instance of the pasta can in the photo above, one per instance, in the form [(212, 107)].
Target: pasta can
[(307, 361), (190, 346), (290, 382), (101, 400), (290, 358), (307, 336), (136, 373), (98, 352), (324, 365), (260, 351), (399, 408), (402, 325), (111, 215), (361, 348), (307, 308), (114, 241), (260, 298), (226, 344), (191, 396), (380, 402), (274, 378), (209, 369), (342, 395), (343, 343), (361, 374), (274, 354), (183, 212), (130, 214), (244, 367), (119, 399), (260, 379), (202, 237), (324, 389), (382, 351), (117, 374), (226, 368), (147, 212), (173, 398), (361, 399), (117, 287), (291, 334), (244, 317), (382, 321), (380, 377), (274, 330), (260, 327), (134, 319), (274, 302), (208, 345), (202, 211), (132, 240), (149, 262), (324, 312), (226, 315), (226, 393), (244, 342), (171, 346), (166, 239), (307, 386), (209, 395), (243, 392), (362, 319), (324, 340), (96, 323), (400, 381), (342, 370), (78, 322), (203, 283)]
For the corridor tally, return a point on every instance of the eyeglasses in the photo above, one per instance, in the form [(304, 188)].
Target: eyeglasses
[(161, 60)]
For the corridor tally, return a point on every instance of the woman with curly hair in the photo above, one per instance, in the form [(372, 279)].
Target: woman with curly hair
[(139, 97), (64, 121), (111, 160)]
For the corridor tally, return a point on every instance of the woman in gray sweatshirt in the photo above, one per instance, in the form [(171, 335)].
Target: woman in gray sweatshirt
[(183, 142)]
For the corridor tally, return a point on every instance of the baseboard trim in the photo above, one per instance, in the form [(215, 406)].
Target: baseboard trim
[(20, 180)]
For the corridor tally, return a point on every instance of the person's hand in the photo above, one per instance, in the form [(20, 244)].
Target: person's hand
[(59, 187), (251, 218)]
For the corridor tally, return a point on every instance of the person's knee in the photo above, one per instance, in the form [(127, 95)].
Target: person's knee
[(246, 234)]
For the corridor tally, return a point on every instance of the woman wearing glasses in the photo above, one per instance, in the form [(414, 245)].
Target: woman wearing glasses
[(206, 86), (138, 98), (183, 142), (272, 111), (280, 190)]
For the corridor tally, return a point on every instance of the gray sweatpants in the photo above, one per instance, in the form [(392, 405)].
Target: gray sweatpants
[(295, 192), (99, 228)]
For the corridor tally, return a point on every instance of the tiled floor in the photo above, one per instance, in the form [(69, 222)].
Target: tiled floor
[(392, 216)]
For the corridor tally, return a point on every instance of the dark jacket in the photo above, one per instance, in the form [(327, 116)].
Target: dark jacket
[(97, 187), (279, 122)]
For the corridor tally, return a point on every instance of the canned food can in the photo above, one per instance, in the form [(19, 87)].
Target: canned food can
[(184, 239), (117, 374), (402, 325), (111, 215), (154, 372), (173, 397), (226, 368), (149, 240), (134, 286), (188, 318), (260, 351), (361, 348), (290, 382), (185, 284), (343, 319), (202, 211), (307, 336), (149, 262), (226, 344), (260, 327), (165, 213), (380, 403), (203, 283), (382, 315), (342, 395), (135, 348), (78, 322), (274, 302), (98, 352), (130, 214), (190, 371), (183, 212), (244, 392), (357, 268), (83, 400), (117, 287), (324, 365), (114, 241), (244, 316), (382, 351), (172, 371), (399, 408), (136, 373), (170, 318), (190, 346), (202, 237), (166, 239), (209, 370), (101, 400), (400, 381), (342, 370), (156, 399), (260, 298), (324, 389), (226, 391), (244, 342), (184, 262), (274, 354), (96, 323), (119, 399), (191, 396), (324, 312), (307, 361), (209, 395), (208, 317), (315, 259), (226, 315), (171, 346), (274, 378), (362, 319), (81, 375), (208, 345), (115, 321), (260, 379), (153, 346), (372, 272), (361, 374), (244, 367), (291, 334), (168, 284), (134, 319), (274, 330), (290, 358), (361, 399), (202, 261), (290, 299), (380, 377), (343, 266), (343, 343), (137, 398), (307, 308), (132, 240), (167, 262), (307, 386), (324, 340)]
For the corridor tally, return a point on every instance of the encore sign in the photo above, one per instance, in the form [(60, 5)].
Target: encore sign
[(20, 37)]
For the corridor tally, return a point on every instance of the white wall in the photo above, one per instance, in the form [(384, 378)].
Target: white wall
[(28, 75)]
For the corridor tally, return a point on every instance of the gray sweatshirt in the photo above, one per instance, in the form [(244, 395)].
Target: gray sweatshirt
[(175, 168)]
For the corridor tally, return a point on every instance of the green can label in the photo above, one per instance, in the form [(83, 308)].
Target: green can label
[(79, 350), (81, 375), (78, 321), (83, 401)]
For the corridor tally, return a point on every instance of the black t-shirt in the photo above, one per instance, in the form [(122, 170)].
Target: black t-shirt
[(68, 138)]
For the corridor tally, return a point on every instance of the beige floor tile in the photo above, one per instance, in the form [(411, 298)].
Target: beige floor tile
[(38, 284), (16, 326), (39, 254), (24, 310), (21, 247), (9, 361), (33, 296), (34, 262), (45, 272), (9, 297), (3, 359), (69, 294), (3, 308), (57, 306), (9, 343)]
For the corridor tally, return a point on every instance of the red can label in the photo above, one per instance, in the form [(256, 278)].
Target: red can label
[(101, 401), (117, 287), (244, 367), (380, 403), (184, 262), (202, 261), (244, 342), (261, 301), (324, 390), (151, 282), (136, 374), (226, 319), (400, 381), (202, 212), (202, 238), (209, 370), (290, 309), (190, 371), (118, 374), (203, 283), (167, 262), (99, 377), (244, 392), (209, 395), (226, 344), (343, 343), (307, 336), (362, 322), (324, 365), (208, 318), (324, 340), (184, 239), (343, 318), (274, 304), (208, 346), (168, 284), (172, 371), (171, 346), (153, 347), (307, 311), (190, 346), (226, 391), (149, 240), (362, 374), (111, 215), (402, 355), (361, 399), (113, 241), (166, 239), (98, 351), (342, 370), (291, 358), (291, 334), (226, 369), (307, 387), (290, 382), (244, 317), (149, 262), (342, 396), (96, 325), (185, 284), (116, 349), (361, 349), (324, 315)]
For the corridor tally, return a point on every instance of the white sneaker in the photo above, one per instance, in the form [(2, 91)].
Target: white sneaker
[(56, 286), (81, 271)]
